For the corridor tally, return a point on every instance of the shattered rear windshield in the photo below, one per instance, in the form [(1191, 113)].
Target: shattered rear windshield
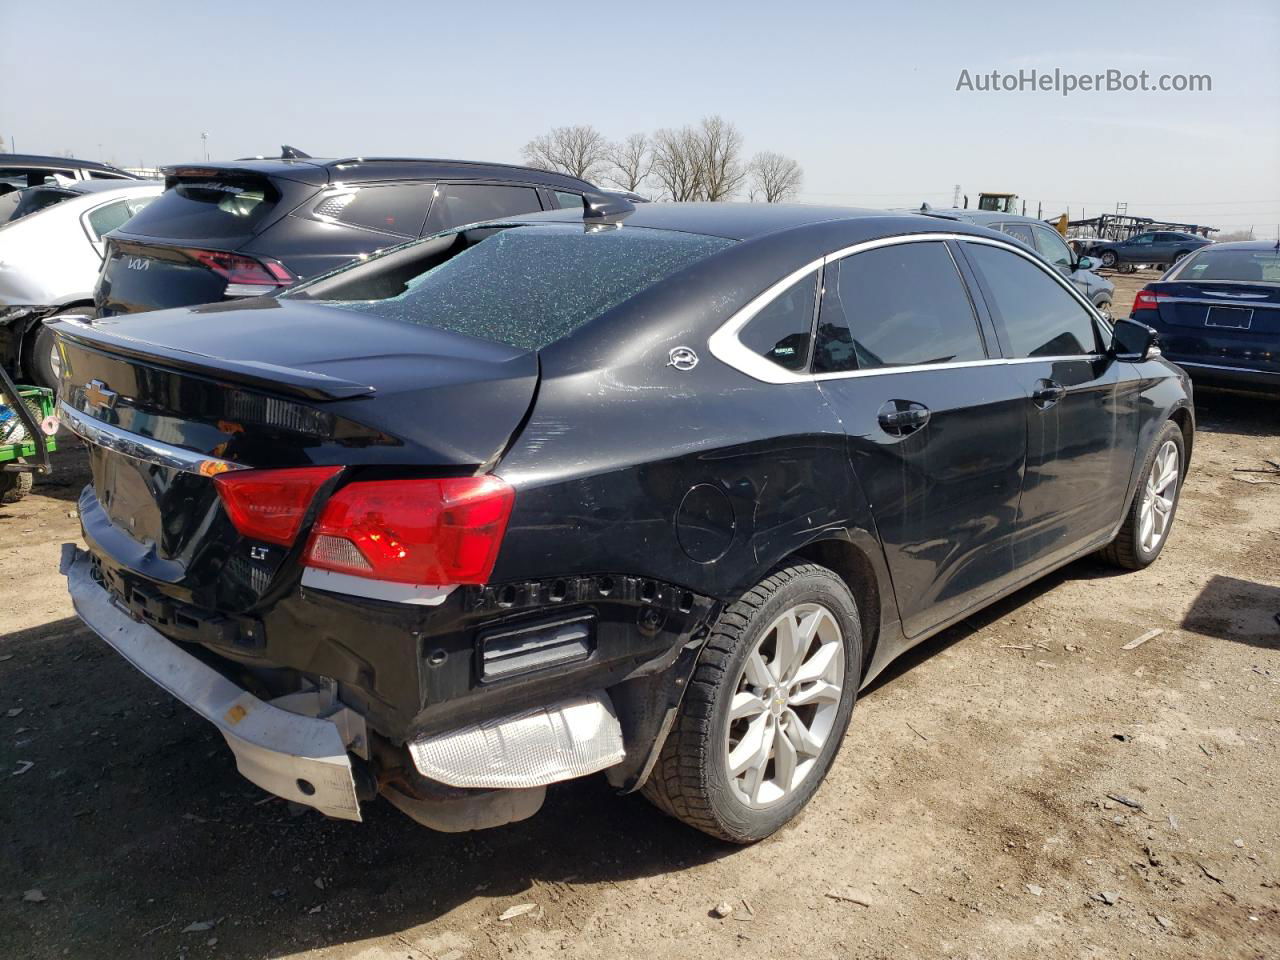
[(528, 286)]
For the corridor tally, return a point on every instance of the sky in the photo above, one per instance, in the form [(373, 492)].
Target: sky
[(863, 96)]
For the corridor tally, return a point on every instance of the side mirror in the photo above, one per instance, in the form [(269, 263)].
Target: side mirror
[(1086, 263), (1133, 341)]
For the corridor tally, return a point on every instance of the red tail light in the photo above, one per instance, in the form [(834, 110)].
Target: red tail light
[(1148, 299), (235, 268), (270, 504), (436, 532)]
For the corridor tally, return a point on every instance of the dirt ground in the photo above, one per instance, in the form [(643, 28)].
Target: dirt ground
[(1020, 786)]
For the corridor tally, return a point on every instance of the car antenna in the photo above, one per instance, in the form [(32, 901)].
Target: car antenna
[(602, 206), (292, 153)]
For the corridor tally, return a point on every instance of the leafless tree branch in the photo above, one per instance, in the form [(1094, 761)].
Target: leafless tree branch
[(580, 151), (631, 161), (774, 177)]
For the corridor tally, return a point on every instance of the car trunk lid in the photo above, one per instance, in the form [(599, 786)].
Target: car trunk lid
[(1233, 323), (168, 400)]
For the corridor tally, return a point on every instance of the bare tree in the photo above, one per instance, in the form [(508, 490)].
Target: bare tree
[(632, 162), (722, 171), (675, 164), (774, 177), (580, 151)]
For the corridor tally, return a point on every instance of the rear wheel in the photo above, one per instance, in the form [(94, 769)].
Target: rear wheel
[(766, 709), (1146, 526), (15, 486), (40, 360)]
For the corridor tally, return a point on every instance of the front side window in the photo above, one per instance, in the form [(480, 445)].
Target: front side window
[(782, 330), (458, 204), (1053, 248), (528, 286), (1039, 317), (901, 305), (1143, 238), (399, 209)]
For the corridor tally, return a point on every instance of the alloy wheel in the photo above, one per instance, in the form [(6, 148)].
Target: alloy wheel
[(1159, 495), (785, 704)]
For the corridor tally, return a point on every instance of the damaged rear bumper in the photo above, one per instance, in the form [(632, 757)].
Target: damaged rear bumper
[(300, 758)]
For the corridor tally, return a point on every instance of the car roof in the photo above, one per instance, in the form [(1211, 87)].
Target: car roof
[(39, 160), (1261, 246), (982, 216), (747, 221), (368, 169)]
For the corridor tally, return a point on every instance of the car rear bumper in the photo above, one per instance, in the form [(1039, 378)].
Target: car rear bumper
[(301, 758), (1226, 375)]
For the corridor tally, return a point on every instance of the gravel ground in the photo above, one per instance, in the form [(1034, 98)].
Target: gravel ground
[(1020, 786)]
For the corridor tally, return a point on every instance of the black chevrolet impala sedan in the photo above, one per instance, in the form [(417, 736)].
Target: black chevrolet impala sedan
[(655, 494)]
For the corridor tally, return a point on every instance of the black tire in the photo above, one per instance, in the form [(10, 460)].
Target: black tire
[(37, 354), (1109, 259), (690, 780), (14, 486), (1179, 255), (1127, 550), (1104, 307)]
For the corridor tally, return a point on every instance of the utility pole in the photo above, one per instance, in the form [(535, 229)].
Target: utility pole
[(204, 145), (955, 196)]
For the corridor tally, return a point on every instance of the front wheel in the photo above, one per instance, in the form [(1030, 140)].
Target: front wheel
[(1147, 524), (1109, 259), (1179, 255), (766, 709)]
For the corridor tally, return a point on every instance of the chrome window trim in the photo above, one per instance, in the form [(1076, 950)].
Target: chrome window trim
[(728, 349), (137, 447)]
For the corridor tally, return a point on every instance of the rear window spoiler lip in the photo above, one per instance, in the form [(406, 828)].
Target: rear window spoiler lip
[(270, 377)]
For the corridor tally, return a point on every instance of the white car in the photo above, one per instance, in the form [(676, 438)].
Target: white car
[(49, 262)]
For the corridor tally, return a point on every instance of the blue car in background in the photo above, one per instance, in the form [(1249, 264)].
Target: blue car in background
[(1217, 312)]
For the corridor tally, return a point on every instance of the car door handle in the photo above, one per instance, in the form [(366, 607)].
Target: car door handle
[(900, 418), (1047, 393)]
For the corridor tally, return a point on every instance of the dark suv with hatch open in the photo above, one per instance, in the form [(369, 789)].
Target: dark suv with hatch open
[(251, 227)]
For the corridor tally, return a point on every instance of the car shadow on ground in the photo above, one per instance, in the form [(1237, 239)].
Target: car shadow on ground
[(1233, 411), (132, 817), (1242, 611)]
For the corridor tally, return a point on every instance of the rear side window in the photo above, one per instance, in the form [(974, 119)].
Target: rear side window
[(529, 286), (458, 204), (901, 305), (108, 217), (569, 201), (1019, 231), (1038, 316), (782, 330), (207, 209), (398, 209)]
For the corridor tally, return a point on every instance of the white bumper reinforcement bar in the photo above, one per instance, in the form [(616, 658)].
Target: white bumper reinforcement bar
[(300, 758)]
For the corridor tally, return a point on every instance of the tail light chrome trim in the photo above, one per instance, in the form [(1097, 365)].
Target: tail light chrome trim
[(387, 590), (137, 447)]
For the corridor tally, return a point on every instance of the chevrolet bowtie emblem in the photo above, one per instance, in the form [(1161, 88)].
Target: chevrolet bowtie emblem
[(96, 394)]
